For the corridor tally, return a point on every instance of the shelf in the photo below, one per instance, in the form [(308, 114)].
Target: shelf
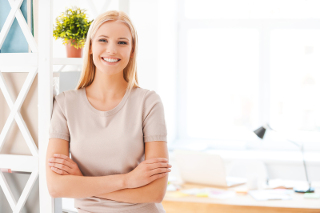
[(23, 163), (67, 61), (18, 62)]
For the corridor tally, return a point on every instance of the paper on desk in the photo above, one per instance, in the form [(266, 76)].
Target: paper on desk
[(209, 192), (311, 195), (279, 183), (272, 194)]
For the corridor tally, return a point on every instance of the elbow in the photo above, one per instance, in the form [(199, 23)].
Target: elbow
[(160, 196), (53, 190), (54, 195), (162, 189)]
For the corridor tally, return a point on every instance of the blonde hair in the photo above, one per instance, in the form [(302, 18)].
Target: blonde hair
[(88, 67)]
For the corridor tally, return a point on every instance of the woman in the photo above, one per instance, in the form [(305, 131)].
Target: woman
[(115, 130)]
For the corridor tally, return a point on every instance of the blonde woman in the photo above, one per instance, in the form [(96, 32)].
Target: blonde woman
[(115, 130)]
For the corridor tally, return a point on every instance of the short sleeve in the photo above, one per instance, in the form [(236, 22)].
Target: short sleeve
[(153, 125), (58, 124)]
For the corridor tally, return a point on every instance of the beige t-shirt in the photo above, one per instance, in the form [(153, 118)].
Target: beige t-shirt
[(109, 142)]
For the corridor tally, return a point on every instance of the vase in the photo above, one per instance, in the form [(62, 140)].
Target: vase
[(73, 52)]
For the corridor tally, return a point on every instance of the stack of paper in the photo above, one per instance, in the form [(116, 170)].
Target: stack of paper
[(279, 183), (272, 194)]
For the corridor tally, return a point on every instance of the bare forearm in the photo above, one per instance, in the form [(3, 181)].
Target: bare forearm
[(73, 186), (151, 193)]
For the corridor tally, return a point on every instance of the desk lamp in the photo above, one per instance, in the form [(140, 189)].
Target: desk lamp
[(260, 133)]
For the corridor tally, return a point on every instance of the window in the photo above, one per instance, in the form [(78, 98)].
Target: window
[(245, 63), (222, 82)]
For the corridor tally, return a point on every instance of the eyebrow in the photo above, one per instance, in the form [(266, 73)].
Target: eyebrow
[(108, 37)]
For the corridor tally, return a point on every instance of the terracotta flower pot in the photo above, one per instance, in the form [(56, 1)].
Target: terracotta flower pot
[(73, 52)]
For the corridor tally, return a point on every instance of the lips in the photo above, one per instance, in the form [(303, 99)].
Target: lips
[(111, 58), (109, 63)]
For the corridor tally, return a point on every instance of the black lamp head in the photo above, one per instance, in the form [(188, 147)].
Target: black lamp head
[(260, 132)]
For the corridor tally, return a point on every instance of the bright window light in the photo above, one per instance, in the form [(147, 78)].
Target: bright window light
[(252, 9), (222, 83)]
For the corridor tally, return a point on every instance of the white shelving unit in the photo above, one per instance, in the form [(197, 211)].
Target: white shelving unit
[(8, 63), (64, 62), (67, 61)]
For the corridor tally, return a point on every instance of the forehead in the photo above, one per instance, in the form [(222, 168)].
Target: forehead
[(114, 29)]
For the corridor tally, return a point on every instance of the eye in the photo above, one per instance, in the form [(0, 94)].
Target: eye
[(123, 42), (101, 40)]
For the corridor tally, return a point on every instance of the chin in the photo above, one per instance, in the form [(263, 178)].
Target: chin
[(109, 71)]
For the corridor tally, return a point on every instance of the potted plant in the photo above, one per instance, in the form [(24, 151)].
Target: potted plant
[(72, 26)]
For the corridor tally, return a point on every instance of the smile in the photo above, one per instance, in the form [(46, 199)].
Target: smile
[(111, 60)]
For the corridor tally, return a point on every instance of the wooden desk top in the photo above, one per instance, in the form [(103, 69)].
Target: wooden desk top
[(237, 203)]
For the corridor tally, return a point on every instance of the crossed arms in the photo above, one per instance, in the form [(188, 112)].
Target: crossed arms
[(110, 187)]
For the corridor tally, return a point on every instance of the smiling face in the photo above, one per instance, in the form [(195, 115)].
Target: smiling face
[(112, 42)]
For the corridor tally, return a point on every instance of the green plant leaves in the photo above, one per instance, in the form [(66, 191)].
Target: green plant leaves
[(72, 24)]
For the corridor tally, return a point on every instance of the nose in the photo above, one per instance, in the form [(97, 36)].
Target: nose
[(111, 48)]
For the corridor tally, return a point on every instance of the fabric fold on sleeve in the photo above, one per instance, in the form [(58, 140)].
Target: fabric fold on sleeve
[(153, 125), (58, 123)]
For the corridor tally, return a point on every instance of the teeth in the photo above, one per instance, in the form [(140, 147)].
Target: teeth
[(110, 60)]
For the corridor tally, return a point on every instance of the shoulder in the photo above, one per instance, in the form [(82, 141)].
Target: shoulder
[(146, 95), (67, 96), (150, 100)]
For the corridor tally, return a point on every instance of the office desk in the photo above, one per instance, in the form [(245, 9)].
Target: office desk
[(238, 204)]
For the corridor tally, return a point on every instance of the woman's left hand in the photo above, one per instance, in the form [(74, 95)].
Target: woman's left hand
[(63, 165)]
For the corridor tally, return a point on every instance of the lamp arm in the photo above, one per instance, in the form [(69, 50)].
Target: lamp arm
[(305, 166), (295, 143), (304, 161), (302, 152)]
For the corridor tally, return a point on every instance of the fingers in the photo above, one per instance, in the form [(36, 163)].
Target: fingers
[(157, 176), (159, 165), (64, 157), (156, 160), (60, 164), (59, 171), (155, 163), (61, 159), (60, 167), (159, 171)]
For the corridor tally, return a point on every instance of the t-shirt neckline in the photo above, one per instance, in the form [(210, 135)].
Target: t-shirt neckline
[(104, 113)]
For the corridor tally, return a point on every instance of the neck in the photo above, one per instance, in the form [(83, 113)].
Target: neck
[(107, 87)]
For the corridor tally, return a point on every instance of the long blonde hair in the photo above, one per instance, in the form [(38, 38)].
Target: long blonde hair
[(88, 67)]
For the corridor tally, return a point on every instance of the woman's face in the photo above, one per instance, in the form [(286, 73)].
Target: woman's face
[(112, 41)]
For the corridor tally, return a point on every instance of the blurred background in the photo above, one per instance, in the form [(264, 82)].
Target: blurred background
[(225, 68), (222, 70)]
